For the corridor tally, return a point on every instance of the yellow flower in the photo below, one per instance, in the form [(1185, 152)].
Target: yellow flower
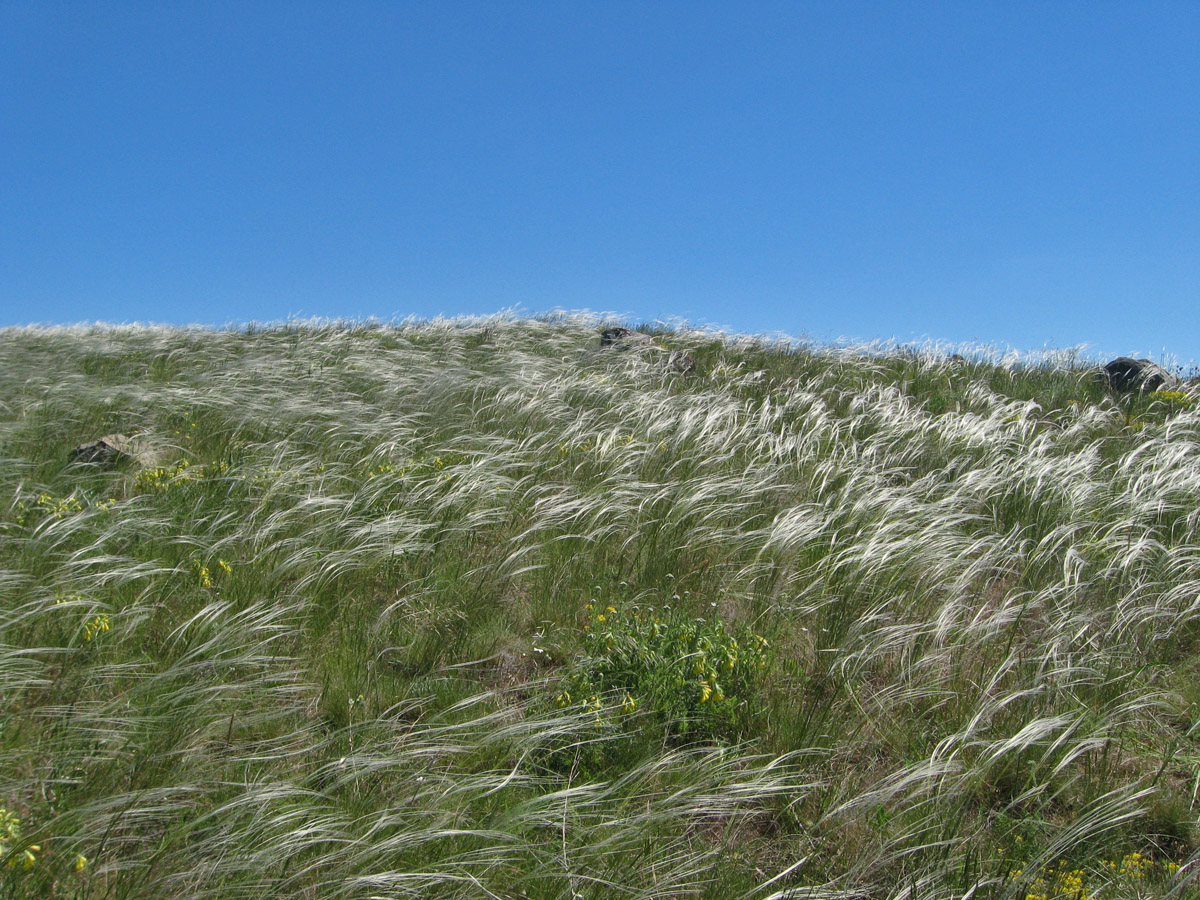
[(81, 862), (98, 625), (1178, 397)]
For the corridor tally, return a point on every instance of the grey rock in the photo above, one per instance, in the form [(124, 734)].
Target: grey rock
[(1125, 376), (625, 338), (675, 361), (681, 363), (115, 449)]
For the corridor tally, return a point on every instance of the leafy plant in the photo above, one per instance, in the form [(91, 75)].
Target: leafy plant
[(694, 676)]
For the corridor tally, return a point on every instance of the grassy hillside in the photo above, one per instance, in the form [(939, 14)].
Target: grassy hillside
[(480, 609)]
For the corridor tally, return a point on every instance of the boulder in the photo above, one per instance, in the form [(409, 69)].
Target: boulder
[(681, 363), (1125, 376), (114, 449), (625, 338)]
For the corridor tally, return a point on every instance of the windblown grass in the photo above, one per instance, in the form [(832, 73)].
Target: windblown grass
[(474, 608)]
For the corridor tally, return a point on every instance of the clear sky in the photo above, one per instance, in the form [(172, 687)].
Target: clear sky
[(1017, 173)]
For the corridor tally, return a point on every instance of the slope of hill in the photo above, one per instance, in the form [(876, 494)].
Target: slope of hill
[(480, 608)]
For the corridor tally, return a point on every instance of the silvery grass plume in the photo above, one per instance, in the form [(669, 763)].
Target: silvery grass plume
[(478, 608)]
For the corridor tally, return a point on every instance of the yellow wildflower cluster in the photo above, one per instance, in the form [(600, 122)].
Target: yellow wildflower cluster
[(161, 478), (691, 672), (204, 576), (1133, 865), (61, 507), (263, 477), (592, 704), (1065, 882), (46, 505), (577, 447), (710, 691), (96, 625), (1174, 398), (418, 466), (1059, 883), (10, 838)]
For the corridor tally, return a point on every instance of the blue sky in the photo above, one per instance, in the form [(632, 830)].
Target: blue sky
[(1023, 174)]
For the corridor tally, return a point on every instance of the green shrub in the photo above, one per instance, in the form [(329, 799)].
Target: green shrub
[(694, 677)]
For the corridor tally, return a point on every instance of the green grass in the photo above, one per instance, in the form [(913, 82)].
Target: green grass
[(474, 608)]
